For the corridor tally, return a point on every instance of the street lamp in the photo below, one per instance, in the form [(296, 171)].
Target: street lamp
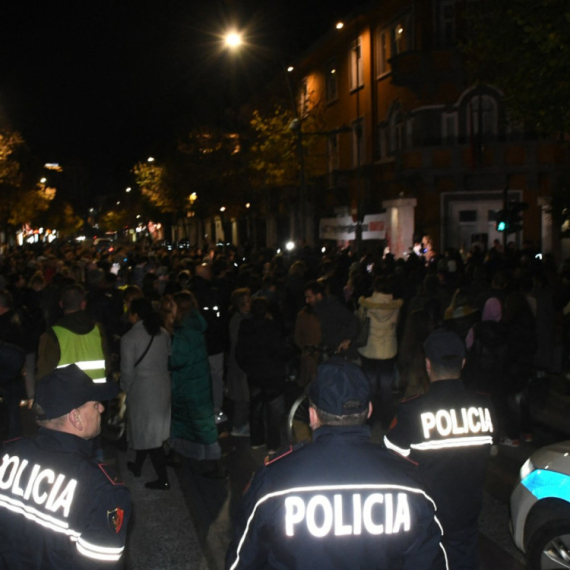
[(150, 159), (128, 189), (233, 39)]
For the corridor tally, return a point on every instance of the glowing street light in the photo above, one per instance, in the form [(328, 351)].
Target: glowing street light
[(223, 209), (43, 180), (150, 159), (339, 26), (128, 189), (233, 40), (290, 69)]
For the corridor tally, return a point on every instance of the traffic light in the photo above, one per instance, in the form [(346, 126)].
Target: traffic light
[(514, 216), (501, 223)]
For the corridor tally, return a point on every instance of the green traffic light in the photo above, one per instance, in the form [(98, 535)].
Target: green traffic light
[(501, 226)]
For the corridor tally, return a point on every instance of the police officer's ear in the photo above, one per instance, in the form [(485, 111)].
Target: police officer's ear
[(75, 419)]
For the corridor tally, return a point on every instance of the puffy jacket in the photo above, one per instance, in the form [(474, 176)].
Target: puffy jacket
[(383, 311)]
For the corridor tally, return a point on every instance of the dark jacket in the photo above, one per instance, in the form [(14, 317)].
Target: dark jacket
[(262, 354), (337, 322), (64, 522), (280, 522), (192, 403), (448, 432)]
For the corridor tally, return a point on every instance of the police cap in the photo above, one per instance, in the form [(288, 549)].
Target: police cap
[(68, 388), (444, 347), (340, 388)]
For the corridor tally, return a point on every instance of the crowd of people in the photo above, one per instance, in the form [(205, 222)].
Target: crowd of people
[(200, 340), (224, 323)]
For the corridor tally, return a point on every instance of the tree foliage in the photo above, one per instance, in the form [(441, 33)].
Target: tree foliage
[(20, 201), (523, 47), (275, 159)]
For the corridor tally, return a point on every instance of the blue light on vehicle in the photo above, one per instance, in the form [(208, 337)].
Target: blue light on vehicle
[(544, 484)]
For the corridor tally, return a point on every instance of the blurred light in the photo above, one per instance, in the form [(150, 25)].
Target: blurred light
[(91, 210), (43, 180), (128, 189), (158, 226), (138, 216), (248, 205), (339, 26), (279, 250), (118, 203), (323, 250), (290, 68), (333, 71), (400, 30), (233, 39), (223, 209), (290, 246), (150, 159)]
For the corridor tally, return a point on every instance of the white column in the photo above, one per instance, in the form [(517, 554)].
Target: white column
[(400, 219)]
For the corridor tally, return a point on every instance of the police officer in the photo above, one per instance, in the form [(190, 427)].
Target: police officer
[(448, 432), (340, 502), (59, 508)]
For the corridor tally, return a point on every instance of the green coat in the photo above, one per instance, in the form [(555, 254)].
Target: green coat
[(192, 403)]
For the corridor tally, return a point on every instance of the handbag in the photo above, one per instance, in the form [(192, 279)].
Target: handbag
[(144, 353), (362, 336)]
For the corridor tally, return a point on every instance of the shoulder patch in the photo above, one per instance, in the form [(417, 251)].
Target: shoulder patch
[(283, 453), (109, 473)]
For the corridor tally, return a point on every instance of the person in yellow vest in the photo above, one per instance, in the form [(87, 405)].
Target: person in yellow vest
[(74, 339)]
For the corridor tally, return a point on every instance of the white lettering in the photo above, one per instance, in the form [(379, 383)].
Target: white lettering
[(16, 489), (6, 462), (314, 503), (47, 474), (322, 516), (35, 470), (294, 513), (340, 529), (402, 513), (488, 422), (457, 430), (474, 426), (65, 499), (428, 423), (54, 491), (375, 498), (357, 514), (441, 417)]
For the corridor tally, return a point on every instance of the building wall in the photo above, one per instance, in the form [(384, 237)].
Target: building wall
[(426, 89)]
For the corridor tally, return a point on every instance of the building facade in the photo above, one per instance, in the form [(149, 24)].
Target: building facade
[(407, 134)]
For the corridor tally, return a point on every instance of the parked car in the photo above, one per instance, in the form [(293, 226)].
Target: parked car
[(540, 508)]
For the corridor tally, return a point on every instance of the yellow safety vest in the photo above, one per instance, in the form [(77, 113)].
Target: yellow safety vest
[(85, 350)]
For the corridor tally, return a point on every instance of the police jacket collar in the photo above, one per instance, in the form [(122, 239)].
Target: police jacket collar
[(65, 442), (451, 384), (351, 433)]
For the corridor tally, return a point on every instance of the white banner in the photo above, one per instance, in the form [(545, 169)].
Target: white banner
[(344, 228)]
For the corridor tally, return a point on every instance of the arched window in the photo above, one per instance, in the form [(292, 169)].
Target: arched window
[(482, 116), (396, 130)]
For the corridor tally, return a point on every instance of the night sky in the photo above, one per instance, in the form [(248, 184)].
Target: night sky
[(105, 83)]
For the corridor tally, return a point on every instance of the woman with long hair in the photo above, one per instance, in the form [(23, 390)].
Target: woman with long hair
[(193, 433), (145, 378)]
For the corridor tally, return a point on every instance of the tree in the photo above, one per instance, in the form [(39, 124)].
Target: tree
[(523, 47), (275, 155), (21, 200)]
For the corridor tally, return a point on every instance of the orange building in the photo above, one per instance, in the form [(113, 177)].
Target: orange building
[(407, 135)]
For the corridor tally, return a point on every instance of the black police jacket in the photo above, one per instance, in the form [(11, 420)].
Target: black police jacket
[(340, 502), (448, 432), (59, 509)]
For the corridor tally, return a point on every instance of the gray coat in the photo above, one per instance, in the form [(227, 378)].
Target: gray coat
[(147, 387)]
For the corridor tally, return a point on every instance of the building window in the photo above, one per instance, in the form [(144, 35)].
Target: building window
[(382, 151), (482, 116), (396, 131), (331, 81), (356, 65), (357, 142), (449, 128), (402, 35), (446, 13), (333, 157), (382, 38)]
